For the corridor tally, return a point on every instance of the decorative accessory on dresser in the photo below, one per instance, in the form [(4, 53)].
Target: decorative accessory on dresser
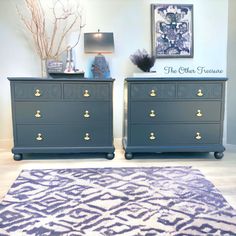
[(100, 43), (62, 116), (62, 75), (70, 72), (54, 66), (143, 60), (174, 115), (70, 67), (50, 24)]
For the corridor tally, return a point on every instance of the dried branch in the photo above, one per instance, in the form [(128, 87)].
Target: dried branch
[(50, 26)]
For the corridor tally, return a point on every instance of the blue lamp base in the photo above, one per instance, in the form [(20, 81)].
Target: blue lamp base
[(100, 67)]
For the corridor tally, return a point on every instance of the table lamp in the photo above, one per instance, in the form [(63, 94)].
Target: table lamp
[(100, 43)]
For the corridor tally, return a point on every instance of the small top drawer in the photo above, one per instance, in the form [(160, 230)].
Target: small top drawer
[(200, 90), (152, 91), (86, 91), (37, 91)]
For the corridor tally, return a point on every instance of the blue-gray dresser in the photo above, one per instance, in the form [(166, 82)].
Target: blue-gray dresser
[(173, 115), (62, 116)]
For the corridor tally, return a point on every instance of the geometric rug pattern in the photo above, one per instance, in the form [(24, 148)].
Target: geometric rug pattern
[(148, 201)]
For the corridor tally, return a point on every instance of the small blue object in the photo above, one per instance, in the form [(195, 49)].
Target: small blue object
[(100, 67)]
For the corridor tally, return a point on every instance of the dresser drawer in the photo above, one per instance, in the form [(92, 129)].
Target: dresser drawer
[(176, 111), (152, 91), (37, 91), (200, 90), (62, 112), (62, 136), (174, 134), (86, 91)]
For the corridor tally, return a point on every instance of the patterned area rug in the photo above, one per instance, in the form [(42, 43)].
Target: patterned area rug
[(115, 201)]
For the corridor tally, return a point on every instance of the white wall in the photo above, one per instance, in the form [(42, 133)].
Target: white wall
[(231, 72), (16, 59), (129, 20)]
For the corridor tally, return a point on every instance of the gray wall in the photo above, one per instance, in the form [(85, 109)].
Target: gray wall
[(231, 73)]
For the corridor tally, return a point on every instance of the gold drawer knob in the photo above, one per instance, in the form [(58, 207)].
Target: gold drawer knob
[(199, 93), (87, 137), (152, 113), (86, 93), (152, 136), (38, 114), (153, 93), (199, 113), (198, 136), (86, 114), (39, 137), (37, 93)]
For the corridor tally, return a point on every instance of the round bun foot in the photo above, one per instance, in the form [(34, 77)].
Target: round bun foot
[(128, 156), (17, 157), (110, 156), (218, 155)]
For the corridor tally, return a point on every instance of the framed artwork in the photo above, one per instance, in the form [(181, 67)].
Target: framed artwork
[(172, 30)]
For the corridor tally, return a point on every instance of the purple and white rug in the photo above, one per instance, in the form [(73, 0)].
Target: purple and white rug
[(115, 201)]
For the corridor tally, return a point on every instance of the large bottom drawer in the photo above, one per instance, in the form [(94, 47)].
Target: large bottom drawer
[(62, 136), (174, 134)]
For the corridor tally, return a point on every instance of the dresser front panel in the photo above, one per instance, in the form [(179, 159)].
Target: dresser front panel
[(62, 136), (37, 91), (152, 91), (175, 111), (174, 134), (199, 90), (62, 112), (173, 114), (86, 91), (62, 115)]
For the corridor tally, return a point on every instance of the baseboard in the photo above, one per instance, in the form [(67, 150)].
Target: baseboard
[(6, 144), (230, 147)]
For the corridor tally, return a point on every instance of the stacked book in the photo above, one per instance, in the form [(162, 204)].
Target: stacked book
[(54, 66)]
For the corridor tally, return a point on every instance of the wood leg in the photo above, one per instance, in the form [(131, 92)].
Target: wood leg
[(110, 156), (17, 157), (128, 156), (218, 155)]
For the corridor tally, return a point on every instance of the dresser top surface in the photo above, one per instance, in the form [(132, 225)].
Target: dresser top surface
[(30, 79), (175, 79)]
